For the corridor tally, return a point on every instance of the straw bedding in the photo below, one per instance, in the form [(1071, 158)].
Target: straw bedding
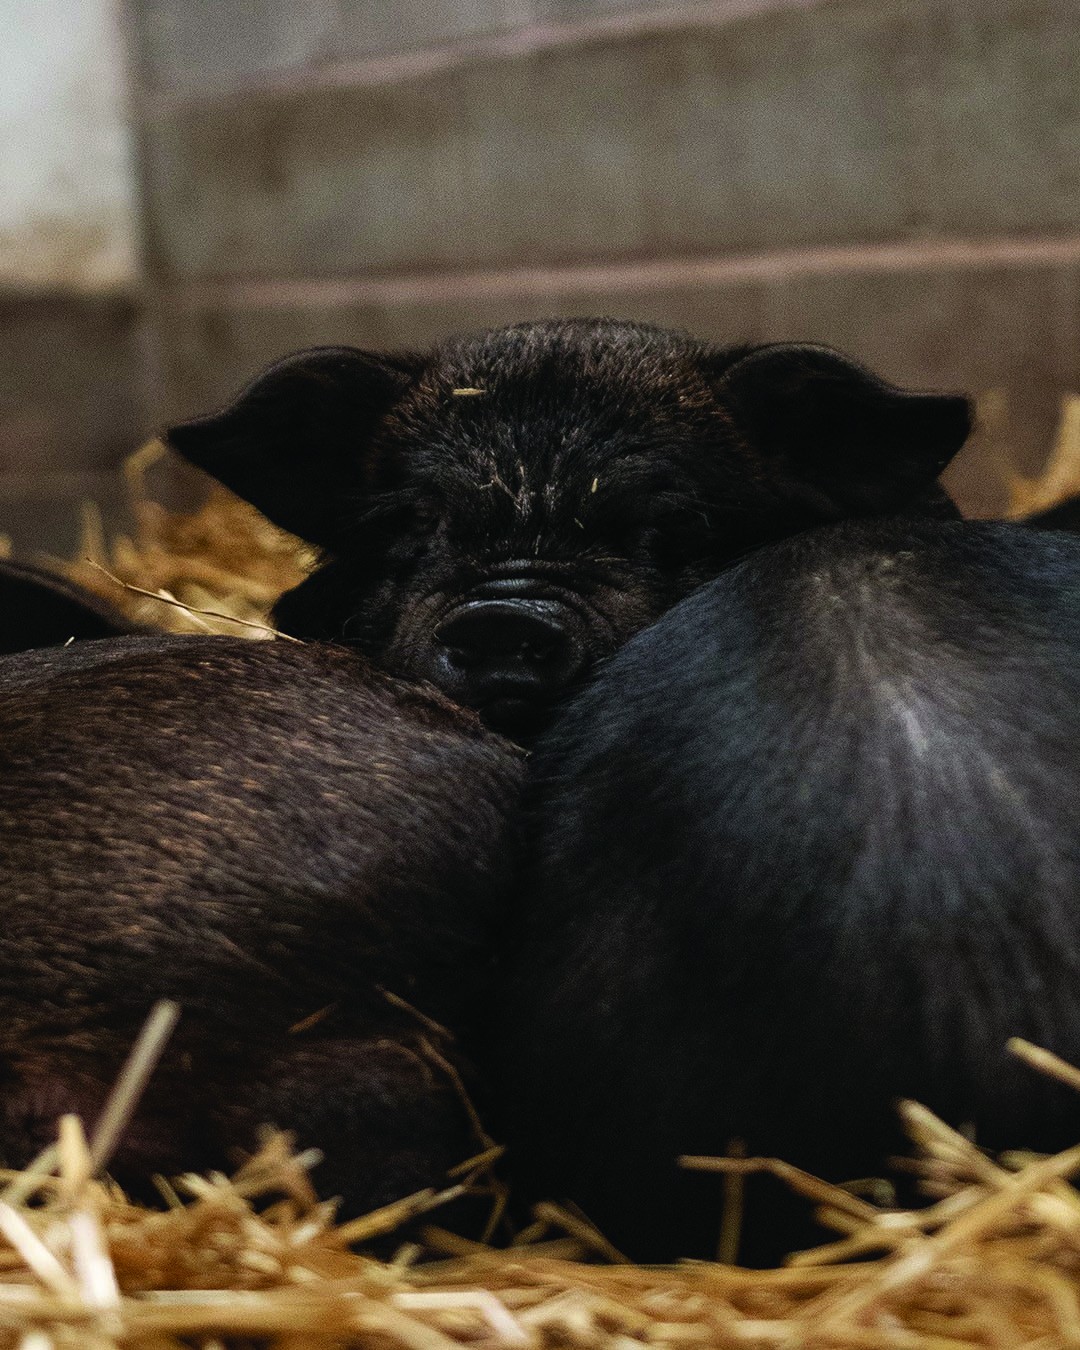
[(258, 1259), (218, 569)]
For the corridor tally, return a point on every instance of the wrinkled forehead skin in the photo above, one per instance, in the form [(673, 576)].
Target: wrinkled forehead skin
[(545, 427)]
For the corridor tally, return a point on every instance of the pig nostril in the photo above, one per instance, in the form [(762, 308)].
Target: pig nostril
[(536, 653), (513, 637), (455, 651)]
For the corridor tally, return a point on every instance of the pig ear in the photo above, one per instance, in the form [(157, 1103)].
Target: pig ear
[(296, 442), (840, 430)]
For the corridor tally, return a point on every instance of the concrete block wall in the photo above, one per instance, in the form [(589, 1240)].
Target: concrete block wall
[(70, 345), (900, 178), (71, 410)]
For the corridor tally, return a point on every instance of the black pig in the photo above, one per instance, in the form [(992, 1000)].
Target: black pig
[(1064, 516), (261, 831), (808, 844), (500, 513), (40, 609)]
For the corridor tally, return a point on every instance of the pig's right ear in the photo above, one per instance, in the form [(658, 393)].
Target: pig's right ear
[(296, 442)]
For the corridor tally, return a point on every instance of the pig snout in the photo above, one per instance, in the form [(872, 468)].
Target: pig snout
[(508, 651)]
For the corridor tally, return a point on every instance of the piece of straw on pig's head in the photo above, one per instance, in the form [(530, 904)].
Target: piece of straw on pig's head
[(502, 512)]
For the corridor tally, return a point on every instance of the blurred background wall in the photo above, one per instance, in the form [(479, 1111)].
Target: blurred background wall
[(71, 401), (900, 178)]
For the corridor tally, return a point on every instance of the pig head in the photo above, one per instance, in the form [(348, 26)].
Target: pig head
[(499, 514)]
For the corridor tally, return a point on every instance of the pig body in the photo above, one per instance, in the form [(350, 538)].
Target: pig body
[(1064, 516), (261, 831), (41, 609), (500, 514), (807, 845)]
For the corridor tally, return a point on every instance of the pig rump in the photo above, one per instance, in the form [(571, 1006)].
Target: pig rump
[(261, 831), (807, 845)]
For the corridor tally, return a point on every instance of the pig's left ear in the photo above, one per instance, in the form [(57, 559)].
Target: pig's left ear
[(296, 442), (838, 429)]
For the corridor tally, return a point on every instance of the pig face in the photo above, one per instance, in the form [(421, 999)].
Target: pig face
[(503, 512)]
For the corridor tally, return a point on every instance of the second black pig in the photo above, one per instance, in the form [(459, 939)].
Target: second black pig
[(502, 512), (38, 608), (807, 845), (262, 832)]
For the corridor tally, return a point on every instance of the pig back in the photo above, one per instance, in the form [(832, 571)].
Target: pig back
[(807, 845), (254, 829)]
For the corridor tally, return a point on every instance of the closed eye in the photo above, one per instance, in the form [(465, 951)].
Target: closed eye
[(426, 517), (405, 513)]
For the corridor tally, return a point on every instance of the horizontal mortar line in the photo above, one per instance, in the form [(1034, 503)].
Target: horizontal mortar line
[(639, 276), (424, 62)]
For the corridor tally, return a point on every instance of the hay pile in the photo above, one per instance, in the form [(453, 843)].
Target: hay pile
[(258, 1260), (218, 569), (1060, 476)]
